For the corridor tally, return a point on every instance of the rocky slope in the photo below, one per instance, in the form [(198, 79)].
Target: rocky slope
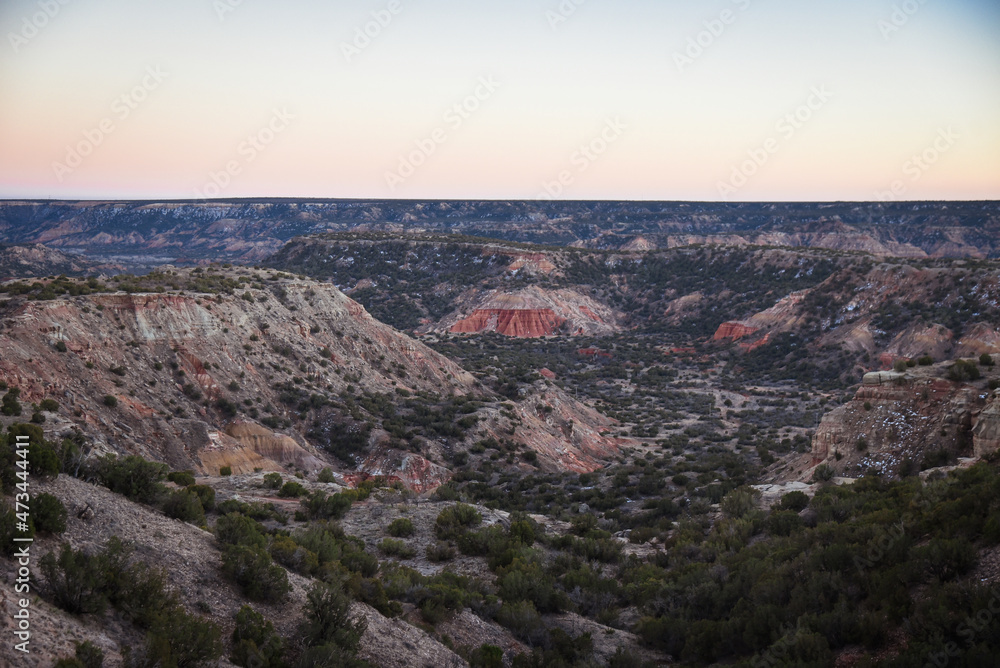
[(244, 379), (192, 559)]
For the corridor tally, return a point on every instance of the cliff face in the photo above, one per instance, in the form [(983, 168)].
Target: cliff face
[(521, 323), (986, 432), (531, 313), (894, 417), (178, 366)]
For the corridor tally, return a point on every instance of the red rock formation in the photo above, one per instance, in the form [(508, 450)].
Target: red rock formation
[(523, 323), (750, 346), (531, 313), (547, 373), (415, 472), (734, 331)]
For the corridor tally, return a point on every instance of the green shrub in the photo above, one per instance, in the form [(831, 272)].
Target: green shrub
[(335, 506), (181, 478), (185, 505), (823, 473), (486, 656), (49, 514), (237, 529), (401, 528), (258, 578), (327, 620), (256, 644), (438, 552), (75, 581), (391, 547), (986, 359), (326, 475), (290, 554), (925, 360), (740, 502), (794, 500), (783, 523), (272, 480), (964, 370), (521, 618), (10, 405), (205, 494), (226, 471), (456, 520), (132, 477), (49, 405), (88, 655), (110, 400), (178, 639), (291, 490)]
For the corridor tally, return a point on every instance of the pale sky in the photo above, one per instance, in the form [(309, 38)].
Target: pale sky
[(574, 99)]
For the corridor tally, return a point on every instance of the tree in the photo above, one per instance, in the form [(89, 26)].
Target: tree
[(185, 505), (9, 405), (179, 640), (132, 476), (236, 529), (49, 514), (256, 644), (327, 619), (252, 569), (74, 580), (401, 528)]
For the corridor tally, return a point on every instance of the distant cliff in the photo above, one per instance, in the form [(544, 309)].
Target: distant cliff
[(249, 230)]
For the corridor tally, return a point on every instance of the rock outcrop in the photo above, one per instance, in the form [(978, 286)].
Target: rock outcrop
[(531, 313), (783, 316), (894, 417), (986, 432), (734, 331)]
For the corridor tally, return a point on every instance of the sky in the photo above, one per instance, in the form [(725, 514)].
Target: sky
[(707, 100)]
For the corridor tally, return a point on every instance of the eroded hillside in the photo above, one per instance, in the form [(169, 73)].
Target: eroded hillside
[(240, 369)]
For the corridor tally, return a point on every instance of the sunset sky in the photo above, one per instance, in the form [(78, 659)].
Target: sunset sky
[(578, 99)]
